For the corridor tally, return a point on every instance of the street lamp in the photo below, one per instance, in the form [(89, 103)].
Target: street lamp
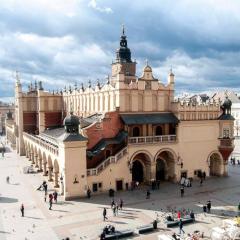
[(61, 181), (179, 161)]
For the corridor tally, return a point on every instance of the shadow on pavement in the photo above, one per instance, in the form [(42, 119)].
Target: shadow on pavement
[(37, 218), (8, 200), (4, 232), (58, 210)]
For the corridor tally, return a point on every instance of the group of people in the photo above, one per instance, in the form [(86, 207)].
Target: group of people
[(52, 196), (234, 161), (107, 230), (207, 207), (115, 207)]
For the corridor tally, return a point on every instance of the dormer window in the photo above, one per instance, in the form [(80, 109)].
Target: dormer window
[(226, 133)]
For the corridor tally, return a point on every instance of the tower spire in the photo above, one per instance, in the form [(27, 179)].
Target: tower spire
[(17, 77), (123, 30)]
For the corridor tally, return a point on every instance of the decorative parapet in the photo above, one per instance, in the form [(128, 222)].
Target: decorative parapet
[(195, 111), (43, 142)]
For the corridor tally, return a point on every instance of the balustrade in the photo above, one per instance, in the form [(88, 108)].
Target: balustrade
[(105, 163), (53, 148), (152, 139)]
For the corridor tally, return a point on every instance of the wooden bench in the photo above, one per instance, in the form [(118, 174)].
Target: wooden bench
[(119, 234), (145, 228), (175, 223)]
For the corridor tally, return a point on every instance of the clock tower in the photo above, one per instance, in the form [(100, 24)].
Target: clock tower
[(123, 63)]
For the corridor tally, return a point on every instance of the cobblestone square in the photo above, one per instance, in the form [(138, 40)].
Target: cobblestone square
[(82, 219)]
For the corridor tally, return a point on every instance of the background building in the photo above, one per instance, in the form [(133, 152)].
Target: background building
[(4, 109)]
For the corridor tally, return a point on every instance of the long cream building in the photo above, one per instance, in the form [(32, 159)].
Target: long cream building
[(129, 129)]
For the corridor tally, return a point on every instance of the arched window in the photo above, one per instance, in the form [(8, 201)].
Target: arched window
[(158, 131), (107, 154), (136, 132)]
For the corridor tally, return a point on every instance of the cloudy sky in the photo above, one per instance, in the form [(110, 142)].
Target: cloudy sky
[(61, 42)]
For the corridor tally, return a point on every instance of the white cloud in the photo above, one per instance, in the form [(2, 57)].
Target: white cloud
[(94, 5)]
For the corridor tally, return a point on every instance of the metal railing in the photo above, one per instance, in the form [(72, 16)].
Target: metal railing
[(152, 139), (105, 163)]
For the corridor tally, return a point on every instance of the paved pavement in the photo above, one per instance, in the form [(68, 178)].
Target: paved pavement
[(82, 219)]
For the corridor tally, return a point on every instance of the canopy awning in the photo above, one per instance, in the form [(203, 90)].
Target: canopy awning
[(149, 118)]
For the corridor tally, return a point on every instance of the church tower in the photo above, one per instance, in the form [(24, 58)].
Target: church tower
[(123, 69)]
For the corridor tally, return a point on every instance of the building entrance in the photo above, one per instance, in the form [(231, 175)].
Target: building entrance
[(160, 170), (165, 166), (137, 171), (215, 165)]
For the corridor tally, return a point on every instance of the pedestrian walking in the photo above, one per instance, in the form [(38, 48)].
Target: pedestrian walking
[(22, 210), (182, 191), (45, 197), (204, 175), (209, 205), (179, 215), (55, 195), (148, 194), (50, 201), (201, 181), (114, 210), (112, 203), (7, 179), (45, 186), (158, 184), (104, 214), (117, 208), (181, 227), (121, 204), (88, 193)]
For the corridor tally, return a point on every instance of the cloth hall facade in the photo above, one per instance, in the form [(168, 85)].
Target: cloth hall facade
[(129, 129)]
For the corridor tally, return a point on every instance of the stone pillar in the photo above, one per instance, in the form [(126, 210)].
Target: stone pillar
[(225, 170), (153, 170), (50, 174), (36, 160), (44, 168), (26, 153), (30, 156), (33, 162), (40, 163), (56, 185)]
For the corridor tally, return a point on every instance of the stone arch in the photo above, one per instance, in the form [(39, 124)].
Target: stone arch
[(215, 163), (141, 166), (165, 164)]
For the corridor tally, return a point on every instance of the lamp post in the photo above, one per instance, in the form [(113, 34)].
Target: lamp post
[(179, 161), (62, 186)]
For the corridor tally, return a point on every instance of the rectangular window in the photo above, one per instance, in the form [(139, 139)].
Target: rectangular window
[(226, 133), (95, 187)]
